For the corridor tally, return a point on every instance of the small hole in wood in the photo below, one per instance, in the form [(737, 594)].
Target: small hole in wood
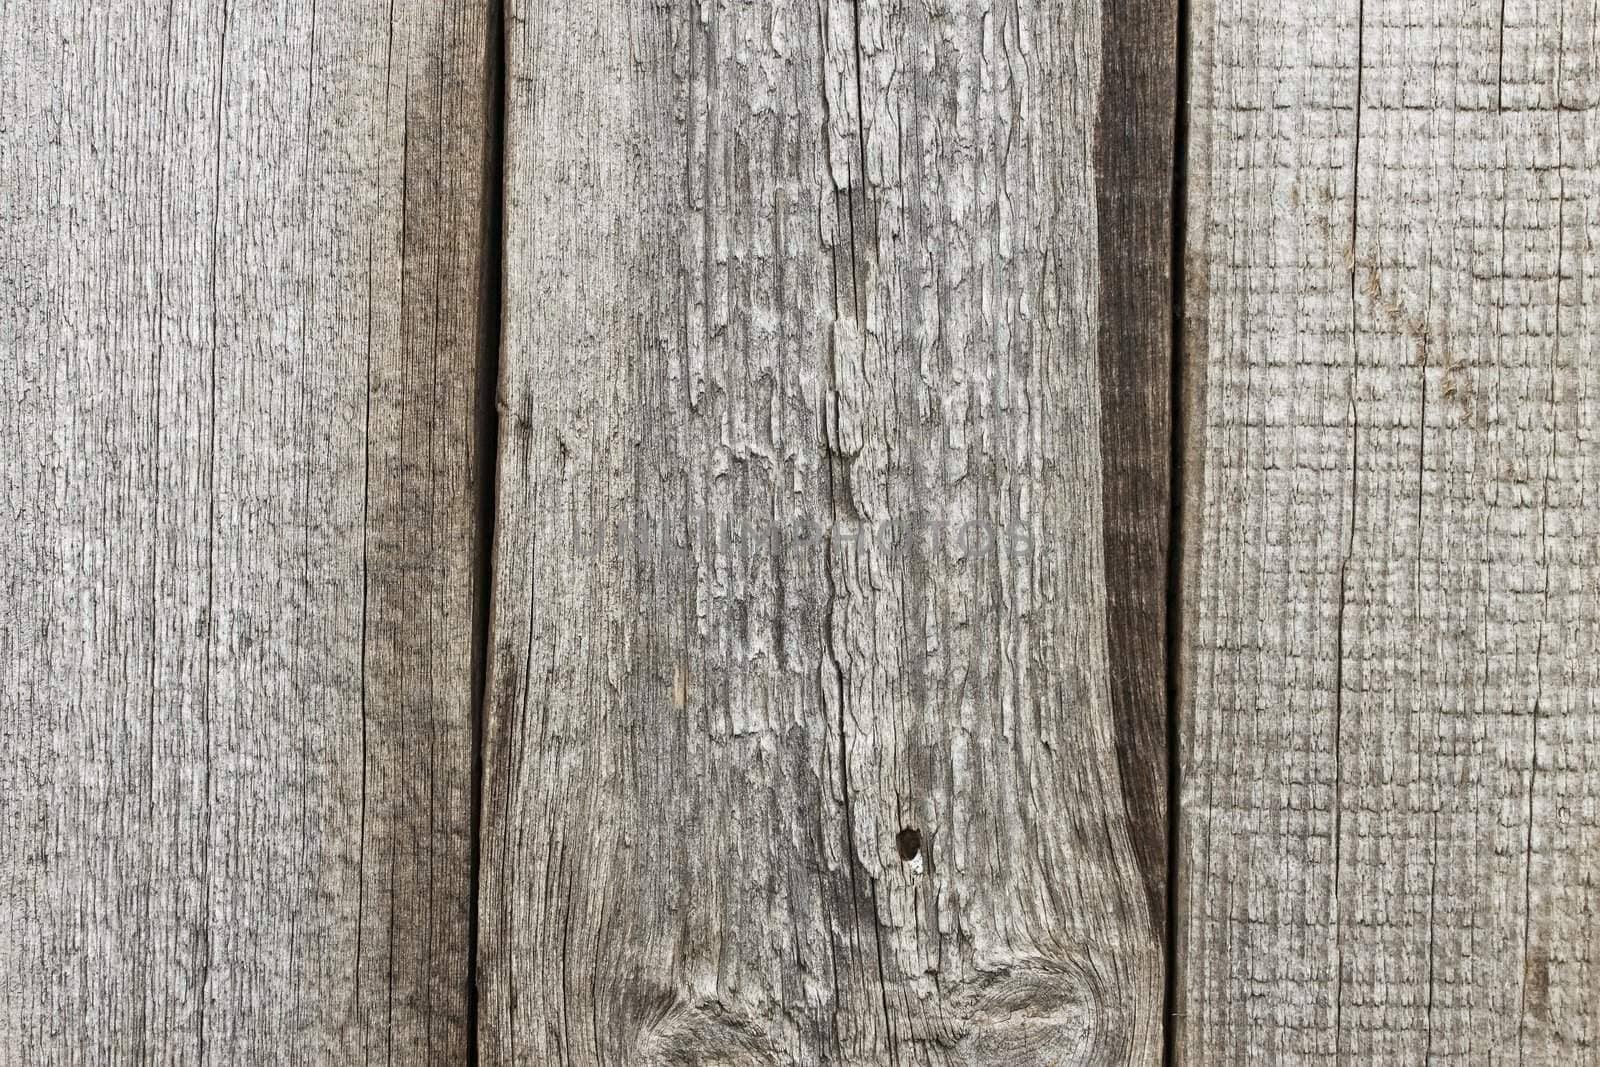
[(908, 843)]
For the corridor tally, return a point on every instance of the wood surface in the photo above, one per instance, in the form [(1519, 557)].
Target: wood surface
[(1390, 761), (810, 366), (825, 714), (239, 311)]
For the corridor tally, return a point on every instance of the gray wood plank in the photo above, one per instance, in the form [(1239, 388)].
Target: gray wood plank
[(1390, 817), (820, 725), (239, 284)]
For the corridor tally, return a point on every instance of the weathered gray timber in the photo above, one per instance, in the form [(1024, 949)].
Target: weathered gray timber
[(1390, 817), (825, 711), (239, 291)]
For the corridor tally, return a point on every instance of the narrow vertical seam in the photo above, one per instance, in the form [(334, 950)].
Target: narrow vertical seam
[(486, 446), (1178, 425)]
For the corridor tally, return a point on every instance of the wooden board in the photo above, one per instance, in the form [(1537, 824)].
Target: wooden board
[(1390, 814), (239, 290), (825, 718)]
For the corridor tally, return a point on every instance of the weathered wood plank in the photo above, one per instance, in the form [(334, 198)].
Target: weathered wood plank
[(1390, 828), (778, 767), (238, 308)]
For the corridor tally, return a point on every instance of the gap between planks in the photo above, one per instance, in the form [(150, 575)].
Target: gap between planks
[(486, 430)]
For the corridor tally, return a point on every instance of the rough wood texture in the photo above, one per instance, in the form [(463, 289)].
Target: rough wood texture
[(238, 310), (1390, 830), (814, 579)]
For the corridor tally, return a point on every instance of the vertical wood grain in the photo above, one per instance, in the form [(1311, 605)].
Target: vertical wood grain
[(1389, 828), (239, 289), (830, 545), (1134, 164)]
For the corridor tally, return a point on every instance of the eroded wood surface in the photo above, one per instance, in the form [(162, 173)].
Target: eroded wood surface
[(830, 536), (1390, 812), (239, 290), (825, 712)]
